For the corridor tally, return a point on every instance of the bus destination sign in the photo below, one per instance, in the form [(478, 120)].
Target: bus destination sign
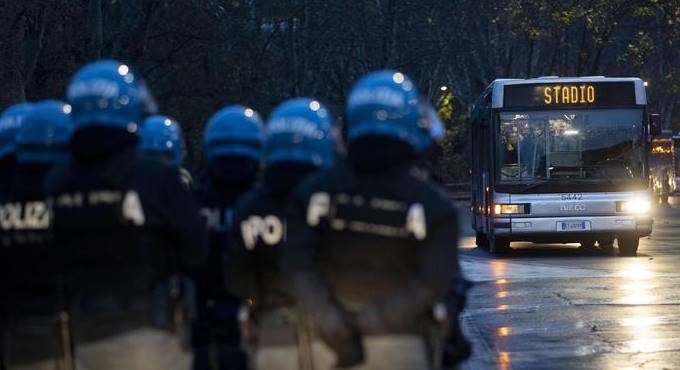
[(571, 94)]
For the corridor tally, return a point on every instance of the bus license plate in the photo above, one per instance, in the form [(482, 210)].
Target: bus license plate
[(573, 226)]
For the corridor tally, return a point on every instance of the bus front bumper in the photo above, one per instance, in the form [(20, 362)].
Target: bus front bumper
[(567, 228)]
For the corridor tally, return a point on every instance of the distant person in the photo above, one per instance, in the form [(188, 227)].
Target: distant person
[(232, 143), (123, 223), (665, 188), (430, 159), (371, 248), (31, 282), (299, 140)]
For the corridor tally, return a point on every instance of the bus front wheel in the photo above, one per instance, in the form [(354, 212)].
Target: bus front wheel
[(497, 246), (628, 245), (606, 244), (481, 240)]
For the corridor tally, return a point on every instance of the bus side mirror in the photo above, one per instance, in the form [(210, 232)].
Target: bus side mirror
[(655, 124)]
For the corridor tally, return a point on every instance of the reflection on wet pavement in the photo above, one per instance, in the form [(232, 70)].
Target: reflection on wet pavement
[(638, 290), (504, 360), (504, 331)]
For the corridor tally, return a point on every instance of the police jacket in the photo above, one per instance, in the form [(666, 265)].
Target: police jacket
[(123, 223), (217, 203), (30, 268), (259, 230), (381, 242), (29, 264)]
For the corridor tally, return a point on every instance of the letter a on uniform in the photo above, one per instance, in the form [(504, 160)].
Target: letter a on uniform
[(415, 221), (132, 208)]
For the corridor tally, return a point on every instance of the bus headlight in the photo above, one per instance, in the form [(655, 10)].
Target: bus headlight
[(634, 206), (511, 209)]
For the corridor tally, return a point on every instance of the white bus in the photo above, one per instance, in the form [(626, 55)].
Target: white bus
[(561, 160)]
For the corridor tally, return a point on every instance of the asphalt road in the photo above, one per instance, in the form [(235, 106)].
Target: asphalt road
[(561, 307)]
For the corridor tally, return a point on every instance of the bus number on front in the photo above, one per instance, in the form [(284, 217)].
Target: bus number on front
[(572, 196)]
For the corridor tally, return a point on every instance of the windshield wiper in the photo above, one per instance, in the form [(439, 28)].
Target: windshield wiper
[(606, 180), (525, 189), (557, 182)]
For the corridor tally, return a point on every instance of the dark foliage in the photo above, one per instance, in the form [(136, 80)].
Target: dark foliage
[(198, 55)]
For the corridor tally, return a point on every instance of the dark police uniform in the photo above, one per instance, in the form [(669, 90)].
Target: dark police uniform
[(216, 335), (123, 224), (6, 166), (260, 230), (370, 254), (33, 299)]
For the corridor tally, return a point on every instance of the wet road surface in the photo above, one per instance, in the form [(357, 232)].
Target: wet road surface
[(561, 307)]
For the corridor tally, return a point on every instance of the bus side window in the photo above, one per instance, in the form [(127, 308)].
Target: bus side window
[(484, 146), (475, 166), (479, 152)]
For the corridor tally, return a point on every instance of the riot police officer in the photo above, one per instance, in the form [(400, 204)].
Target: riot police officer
[(161, 138), (298, 141), (232, 144), (37, 335), (371, 247), (10, 122), (123, 224)]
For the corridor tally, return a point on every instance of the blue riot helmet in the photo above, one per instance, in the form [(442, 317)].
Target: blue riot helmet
[(108, 93), (161, 137), (45, 133), (234, 131), (387, 104), (300, 131), (10, 122), (232, 143)]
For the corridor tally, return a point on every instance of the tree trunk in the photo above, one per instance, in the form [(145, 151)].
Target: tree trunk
[(33, 43), (96, 21)]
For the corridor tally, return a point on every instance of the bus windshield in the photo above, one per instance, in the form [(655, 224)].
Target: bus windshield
[(601, 145)]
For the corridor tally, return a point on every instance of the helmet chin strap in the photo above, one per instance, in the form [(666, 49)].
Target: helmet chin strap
[(282, 177), (233, 172), (393, 154), (7, 164), (96, 142), (242, 181)]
